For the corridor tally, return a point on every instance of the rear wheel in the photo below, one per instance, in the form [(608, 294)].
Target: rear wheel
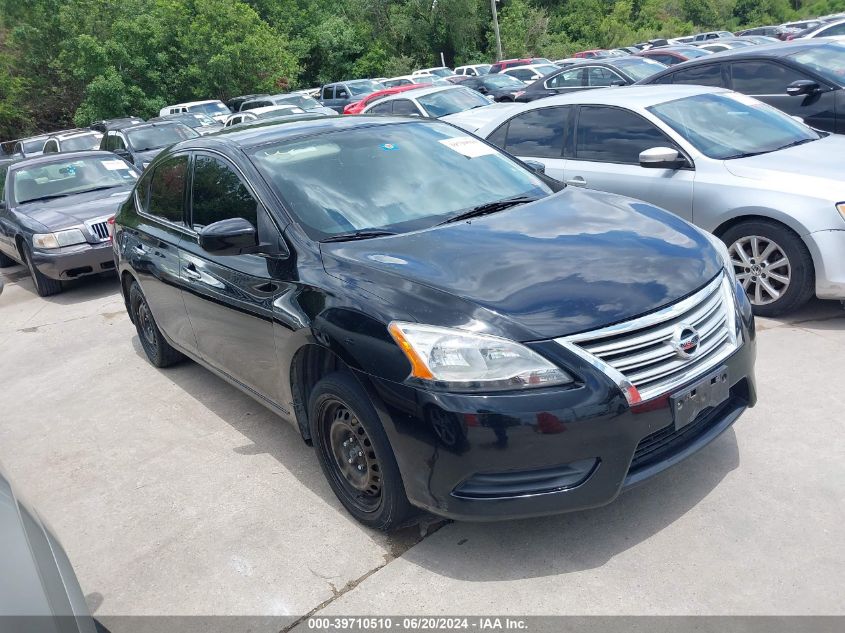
[(772, 264), (355, 454), (159, 352), (44, 286)]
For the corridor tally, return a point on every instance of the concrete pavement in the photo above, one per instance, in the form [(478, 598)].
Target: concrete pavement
[(173, 493)]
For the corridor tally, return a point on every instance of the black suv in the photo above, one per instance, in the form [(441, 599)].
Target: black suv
[(803, 78), (140, 143), (452, 330)]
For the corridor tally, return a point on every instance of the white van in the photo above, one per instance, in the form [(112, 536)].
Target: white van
[(214, 108)]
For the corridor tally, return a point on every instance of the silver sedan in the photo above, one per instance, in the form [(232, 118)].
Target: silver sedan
[(769, 186)]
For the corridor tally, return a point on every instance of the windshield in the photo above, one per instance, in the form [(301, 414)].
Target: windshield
[(144, 138), (545, 69), (483, 69), (364, 86), (279, 111), (637, 68), (215, 107), (397, 177), (68, 177), (827, 60), (198, 120), (81, 142), (298, 100), (732, 125), (499, 80), (450, 101), (441, 72)]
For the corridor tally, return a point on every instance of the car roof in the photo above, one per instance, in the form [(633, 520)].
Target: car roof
[(425, 90), (638, 96), (270, 130), (45, 159), (65, 134), (193, 103), (769, 51)]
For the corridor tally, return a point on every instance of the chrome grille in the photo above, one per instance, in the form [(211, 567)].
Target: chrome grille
[(644, 353), (99, 228)]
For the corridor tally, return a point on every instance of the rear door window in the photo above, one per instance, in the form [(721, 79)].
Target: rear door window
[(569, 79), (705, 75), (537, 133), (167, 190)]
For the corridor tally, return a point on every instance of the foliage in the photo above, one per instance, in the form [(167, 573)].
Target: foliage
[(68, 62)]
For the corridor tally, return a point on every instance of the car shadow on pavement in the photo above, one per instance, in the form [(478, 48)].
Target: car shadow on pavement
[(269, 434), (76, 291), (578, 541)]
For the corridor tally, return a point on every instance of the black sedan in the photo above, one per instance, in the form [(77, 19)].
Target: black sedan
[(450, 329), (140, 143), (804, 78), (591, 73), (54, 214), (497, 86)]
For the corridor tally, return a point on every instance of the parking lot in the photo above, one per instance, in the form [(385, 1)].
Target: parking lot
[(173, 493)]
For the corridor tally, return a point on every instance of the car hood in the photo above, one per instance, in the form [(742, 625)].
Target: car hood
[(322, 110), (62, 213), (820, 176), (571, 262), (472, 120)]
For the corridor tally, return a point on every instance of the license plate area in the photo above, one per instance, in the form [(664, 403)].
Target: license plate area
[(710, 391)]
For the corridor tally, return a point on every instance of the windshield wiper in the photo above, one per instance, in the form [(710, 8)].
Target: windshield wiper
[(361, 234), (490, 207), (53, 197)]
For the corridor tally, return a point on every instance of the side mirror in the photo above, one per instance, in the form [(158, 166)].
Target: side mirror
[(802, 87), (618, 82), (342, 94), (123, 153), (799, 119), (536, 166), (234, 236), (661, 158)]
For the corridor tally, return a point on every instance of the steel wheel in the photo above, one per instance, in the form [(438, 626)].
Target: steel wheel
[(146, 325), (356, 464), (762, 268)]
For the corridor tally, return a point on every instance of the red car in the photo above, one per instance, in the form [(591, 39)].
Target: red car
[(357, 106), (597, 52), (508, 63)]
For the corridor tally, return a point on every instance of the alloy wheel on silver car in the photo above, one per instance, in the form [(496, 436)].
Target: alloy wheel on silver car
[(762, 268)]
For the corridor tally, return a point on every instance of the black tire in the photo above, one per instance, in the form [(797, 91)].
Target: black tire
[(755, 273), (44, 286), (6, 261), (339, 408), (159, 352)]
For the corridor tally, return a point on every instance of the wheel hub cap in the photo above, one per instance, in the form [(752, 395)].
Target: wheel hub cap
[(762, 268), (354, 453)]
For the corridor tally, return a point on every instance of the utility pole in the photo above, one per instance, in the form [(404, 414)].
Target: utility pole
[(496, 30)]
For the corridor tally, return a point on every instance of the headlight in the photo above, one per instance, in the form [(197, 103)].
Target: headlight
[(720, 247), (463, 361), (841, 208), (58, 239)]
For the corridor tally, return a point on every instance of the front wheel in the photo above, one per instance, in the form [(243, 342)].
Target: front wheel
[(355, 454), (772, 264), (44, 285)]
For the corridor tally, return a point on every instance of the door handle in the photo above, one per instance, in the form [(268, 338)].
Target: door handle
[(191, 272), (577, 181)]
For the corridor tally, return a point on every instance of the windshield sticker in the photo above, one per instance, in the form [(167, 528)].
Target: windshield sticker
[(114, 165), (468, 146), (388, 147)]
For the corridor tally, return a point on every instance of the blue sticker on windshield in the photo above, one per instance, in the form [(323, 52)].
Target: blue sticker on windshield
[(388, 146)]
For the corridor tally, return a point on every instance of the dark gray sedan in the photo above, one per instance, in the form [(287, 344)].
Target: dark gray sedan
[(54, 213)]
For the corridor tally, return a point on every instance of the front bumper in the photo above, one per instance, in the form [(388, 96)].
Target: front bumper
[(71, 262), (476, 457), (826, 249)]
